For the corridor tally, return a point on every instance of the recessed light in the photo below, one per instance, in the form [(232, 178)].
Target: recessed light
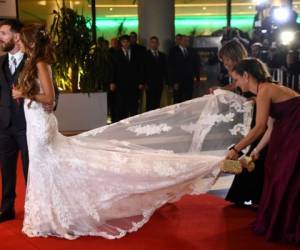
[(43, 3)]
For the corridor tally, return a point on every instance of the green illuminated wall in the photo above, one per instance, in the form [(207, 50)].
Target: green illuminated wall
[(203, 25)]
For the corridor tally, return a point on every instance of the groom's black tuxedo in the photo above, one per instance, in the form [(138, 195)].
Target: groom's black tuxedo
[(12, 134), (10, 110)]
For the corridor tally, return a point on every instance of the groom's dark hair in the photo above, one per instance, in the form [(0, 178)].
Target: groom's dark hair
[(14, 24)]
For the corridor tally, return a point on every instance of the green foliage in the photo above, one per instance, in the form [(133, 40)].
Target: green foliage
[(80, 65), (121, 30), (97, 77)]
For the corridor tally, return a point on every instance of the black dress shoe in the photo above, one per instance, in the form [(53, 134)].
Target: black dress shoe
[(7, 215)]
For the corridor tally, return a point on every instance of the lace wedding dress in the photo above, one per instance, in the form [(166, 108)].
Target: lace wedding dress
[(109, 181)]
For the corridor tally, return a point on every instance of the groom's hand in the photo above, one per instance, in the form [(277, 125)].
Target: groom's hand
[(16, 94), (49, 107)]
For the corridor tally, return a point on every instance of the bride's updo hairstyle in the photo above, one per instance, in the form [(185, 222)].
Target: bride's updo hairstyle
[(255, 67), (37, 47)]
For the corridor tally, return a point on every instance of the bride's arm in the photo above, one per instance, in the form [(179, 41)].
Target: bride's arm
[(45, 77)]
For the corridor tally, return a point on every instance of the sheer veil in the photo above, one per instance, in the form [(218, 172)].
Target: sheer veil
[(110, 180), (205, 125)]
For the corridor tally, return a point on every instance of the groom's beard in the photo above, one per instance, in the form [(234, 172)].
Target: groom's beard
[(8, 46)]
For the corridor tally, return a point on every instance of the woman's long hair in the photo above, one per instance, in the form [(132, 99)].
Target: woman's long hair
[(38, 47), (255, 67)]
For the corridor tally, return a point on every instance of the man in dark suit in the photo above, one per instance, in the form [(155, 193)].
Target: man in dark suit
[(155, 74), (111, 96), (127, 79), (134, 44), (184, 68), (12, 119), (141, 51)]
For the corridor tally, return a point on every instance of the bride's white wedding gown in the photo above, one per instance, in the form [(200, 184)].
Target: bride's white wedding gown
[(109, 181)]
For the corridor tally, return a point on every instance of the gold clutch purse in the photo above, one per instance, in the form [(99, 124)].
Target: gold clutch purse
[(247, 163), (236, 166), (231, 166)]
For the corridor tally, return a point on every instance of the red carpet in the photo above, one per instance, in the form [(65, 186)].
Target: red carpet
[(196, 222)]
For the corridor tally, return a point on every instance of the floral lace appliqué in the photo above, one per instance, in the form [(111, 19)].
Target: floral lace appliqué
[(93, 132), (209, 120), (150, 129), (239, 128)]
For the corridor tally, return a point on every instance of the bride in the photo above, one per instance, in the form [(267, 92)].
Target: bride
[(109, 181)]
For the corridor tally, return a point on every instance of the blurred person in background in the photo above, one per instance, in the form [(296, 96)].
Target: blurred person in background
[(184, 70), (155, 74)]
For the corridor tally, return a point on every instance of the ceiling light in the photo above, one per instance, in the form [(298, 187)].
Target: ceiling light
[(43, 3), (259, 2)]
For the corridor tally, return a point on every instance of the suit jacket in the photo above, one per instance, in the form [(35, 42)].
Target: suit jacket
[(155, 69), (140, 49), (182, 68), (11, 112), (127, 74)]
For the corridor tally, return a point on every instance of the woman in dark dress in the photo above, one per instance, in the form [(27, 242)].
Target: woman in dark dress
[(246, 186), (278, 215)]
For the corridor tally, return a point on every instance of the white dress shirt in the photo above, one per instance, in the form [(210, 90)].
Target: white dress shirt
[(18, 56)]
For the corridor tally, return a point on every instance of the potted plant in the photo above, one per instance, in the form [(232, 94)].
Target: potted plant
[(82, 71)]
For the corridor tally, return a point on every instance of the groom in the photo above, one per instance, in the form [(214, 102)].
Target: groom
[(12, 118)]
